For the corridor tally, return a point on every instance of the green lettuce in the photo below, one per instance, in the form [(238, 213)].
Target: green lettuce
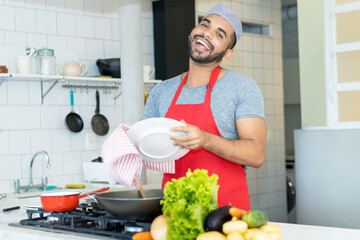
[(188, 200)]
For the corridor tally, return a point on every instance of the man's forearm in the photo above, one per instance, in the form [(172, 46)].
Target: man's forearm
[(246, 152)]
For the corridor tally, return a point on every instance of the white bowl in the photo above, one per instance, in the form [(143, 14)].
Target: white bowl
[(151, 137)]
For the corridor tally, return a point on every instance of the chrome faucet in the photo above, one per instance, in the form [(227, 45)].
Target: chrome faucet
[(47, 160), (44, 180)]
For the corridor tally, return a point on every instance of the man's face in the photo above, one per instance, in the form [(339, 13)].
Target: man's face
[(210, 40)]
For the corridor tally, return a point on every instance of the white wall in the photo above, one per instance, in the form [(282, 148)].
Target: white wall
[(88, 30)]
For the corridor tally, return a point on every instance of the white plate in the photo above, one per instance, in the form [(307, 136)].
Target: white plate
[(151, 137)]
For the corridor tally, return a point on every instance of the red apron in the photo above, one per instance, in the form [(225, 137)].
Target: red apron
[(232, 177)]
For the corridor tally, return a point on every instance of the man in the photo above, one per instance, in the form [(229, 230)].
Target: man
[(223, 111)]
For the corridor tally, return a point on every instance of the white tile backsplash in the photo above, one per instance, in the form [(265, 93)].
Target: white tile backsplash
[(30, 117), (50, 117), (19, 142), (4, 142), (10, 120), (7, 18), (84, 26), (12, 169), (25, 20), (57, 42), (111, 49), (94, 49), (46, 22), (102, 28), (37, 4), (65, 24), (60, 140), (37, 41), (77, 45), (15, 39), (40, 139), (72, 163)]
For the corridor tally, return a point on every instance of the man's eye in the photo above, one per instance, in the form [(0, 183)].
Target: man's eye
[(204, 25), (219, 35)]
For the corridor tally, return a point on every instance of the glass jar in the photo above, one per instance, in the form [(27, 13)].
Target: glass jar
[(45, 62)]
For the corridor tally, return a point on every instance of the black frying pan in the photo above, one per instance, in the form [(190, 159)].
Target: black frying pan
[(99, 123), (73, 121), (130, 205)]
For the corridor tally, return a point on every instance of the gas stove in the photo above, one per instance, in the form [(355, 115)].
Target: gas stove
[(85, 219)]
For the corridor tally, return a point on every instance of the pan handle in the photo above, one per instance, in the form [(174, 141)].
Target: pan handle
[(93, 192), (97, 109), (72, 99)]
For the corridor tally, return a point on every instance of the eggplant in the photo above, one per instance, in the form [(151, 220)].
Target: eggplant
[(215, 219)]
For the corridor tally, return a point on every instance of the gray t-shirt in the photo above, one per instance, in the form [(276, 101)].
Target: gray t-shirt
[(233, 96)]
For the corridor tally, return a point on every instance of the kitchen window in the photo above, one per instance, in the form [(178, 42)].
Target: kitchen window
[(342, 59)]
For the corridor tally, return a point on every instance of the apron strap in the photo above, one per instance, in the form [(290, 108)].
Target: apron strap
[(213, 78)]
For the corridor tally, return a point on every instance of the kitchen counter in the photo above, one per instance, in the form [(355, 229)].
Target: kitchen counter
[(16, 231)]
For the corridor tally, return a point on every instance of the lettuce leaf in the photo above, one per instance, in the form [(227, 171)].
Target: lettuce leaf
[(188, 200)]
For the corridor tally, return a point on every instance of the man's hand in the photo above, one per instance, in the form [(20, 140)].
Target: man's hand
[(248, 150), (194, 139)]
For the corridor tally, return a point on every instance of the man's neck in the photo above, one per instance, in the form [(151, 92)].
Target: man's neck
[(199, 74)]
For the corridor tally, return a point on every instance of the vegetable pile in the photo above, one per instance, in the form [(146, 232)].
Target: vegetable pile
[(187, 201), (231, 223)]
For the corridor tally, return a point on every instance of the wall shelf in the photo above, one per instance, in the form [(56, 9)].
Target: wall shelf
[(69, 82)]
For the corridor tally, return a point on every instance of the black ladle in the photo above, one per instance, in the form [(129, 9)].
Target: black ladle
[(73, 121), (99, 123)]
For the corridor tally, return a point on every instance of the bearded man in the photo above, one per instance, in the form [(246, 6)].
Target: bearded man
[(223, 111)]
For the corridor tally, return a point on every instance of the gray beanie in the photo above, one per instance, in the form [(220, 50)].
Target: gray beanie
[(225, 12)]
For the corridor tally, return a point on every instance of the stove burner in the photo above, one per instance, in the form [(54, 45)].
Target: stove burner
[(86, 218)]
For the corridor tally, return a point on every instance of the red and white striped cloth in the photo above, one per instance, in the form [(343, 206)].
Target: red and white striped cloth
[(124, 160)]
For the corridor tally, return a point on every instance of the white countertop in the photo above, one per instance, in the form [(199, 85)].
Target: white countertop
[(288, 231)]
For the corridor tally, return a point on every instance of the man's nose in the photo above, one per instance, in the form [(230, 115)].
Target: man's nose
[(208, 34)]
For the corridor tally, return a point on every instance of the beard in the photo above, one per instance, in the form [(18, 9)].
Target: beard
[(196, 56)]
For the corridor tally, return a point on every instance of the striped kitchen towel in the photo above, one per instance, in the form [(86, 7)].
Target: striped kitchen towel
[(124, 160)]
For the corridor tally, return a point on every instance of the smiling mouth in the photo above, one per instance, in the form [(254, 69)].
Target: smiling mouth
[(199, 41)]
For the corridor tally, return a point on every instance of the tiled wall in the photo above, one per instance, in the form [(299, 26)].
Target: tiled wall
[(83, 29), (260, 57)]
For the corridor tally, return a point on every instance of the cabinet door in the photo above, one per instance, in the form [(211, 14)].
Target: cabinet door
[(173, 22)]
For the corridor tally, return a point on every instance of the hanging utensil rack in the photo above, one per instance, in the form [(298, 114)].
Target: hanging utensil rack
[(68, 82)]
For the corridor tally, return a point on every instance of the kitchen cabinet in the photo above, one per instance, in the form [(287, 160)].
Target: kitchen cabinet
[(173, 22)]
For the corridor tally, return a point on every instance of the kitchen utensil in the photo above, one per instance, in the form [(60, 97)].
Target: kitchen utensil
[(3, 195), (73, 121), (130, 205), (75, 185), (23, 64), (151, 137), (148, 72), (45, 62), (99, 123), (64, 201), (73, 68), (3, 69), (139, 185), (109, 67), (10, 209), (98, 159)]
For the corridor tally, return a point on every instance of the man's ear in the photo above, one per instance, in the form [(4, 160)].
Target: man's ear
[(228, 54)]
